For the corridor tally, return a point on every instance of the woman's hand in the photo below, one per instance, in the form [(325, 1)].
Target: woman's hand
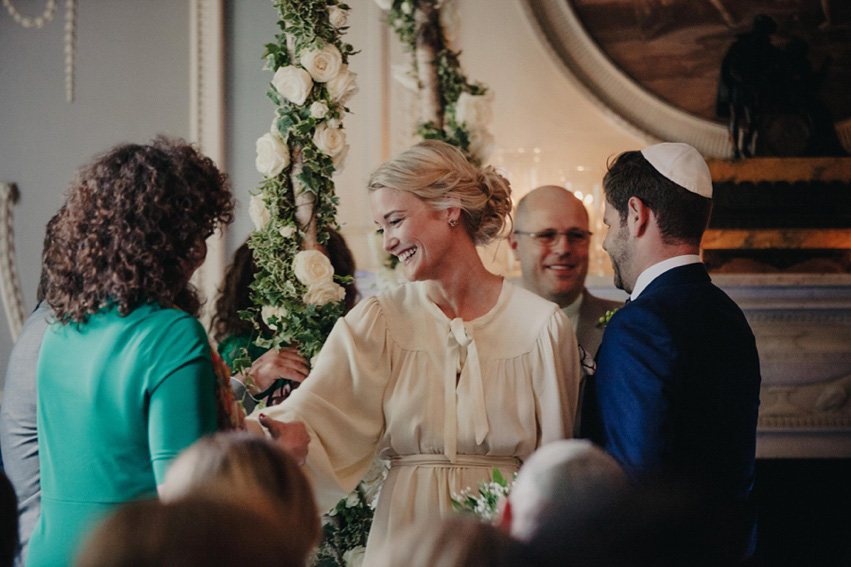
[(273, 364), (291, 436)]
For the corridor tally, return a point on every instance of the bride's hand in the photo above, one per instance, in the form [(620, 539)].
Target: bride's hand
[(291, 436), (273, 364)]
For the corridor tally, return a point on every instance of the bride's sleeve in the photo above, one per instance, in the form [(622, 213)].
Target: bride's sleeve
[(556, 380), (341, 403)]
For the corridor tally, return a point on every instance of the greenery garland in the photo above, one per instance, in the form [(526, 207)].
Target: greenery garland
[(461, 111), (295, 291)]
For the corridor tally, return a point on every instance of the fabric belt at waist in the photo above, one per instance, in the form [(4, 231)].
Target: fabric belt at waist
[(482, 461)]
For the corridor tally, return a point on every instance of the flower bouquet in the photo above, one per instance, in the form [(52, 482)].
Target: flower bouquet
[(487, 500)]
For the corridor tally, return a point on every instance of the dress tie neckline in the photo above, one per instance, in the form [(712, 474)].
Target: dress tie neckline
[(462, 370)]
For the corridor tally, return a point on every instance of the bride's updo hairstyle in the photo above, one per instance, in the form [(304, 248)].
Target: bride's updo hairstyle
[(441, 175)]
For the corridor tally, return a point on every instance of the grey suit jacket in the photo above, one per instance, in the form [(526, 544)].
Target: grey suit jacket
[(589, 331), (589, 335), (18, 434)]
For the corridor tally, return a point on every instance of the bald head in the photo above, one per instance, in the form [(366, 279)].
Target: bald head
[(550, 197), (563, 483), (554, 270)]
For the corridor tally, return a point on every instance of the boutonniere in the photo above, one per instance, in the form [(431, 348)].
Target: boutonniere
[(604, 320)]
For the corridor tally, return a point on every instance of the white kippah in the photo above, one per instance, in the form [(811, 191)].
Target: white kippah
[(683, 165)]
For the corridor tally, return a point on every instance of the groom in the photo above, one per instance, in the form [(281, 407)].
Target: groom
[(676, 392)]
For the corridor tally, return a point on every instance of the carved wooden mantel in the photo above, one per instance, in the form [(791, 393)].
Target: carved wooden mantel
[(780, 214)]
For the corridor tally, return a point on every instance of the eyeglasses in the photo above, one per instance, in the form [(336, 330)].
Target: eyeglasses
[(575, 236)]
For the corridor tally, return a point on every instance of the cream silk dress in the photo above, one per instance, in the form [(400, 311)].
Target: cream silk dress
[(385, 383)]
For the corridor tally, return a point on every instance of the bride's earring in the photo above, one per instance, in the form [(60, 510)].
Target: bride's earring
[(453, 223)]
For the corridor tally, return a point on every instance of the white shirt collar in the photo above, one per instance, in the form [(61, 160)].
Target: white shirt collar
[(656, 270)]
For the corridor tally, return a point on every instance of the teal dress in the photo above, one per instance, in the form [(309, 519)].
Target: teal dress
[(118, 399)]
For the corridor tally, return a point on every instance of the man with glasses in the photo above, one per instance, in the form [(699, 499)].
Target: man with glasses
[(551, 241)]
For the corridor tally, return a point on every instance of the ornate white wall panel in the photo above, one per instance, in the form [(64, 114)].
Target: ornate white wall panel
[(802, 325), (10, 283), (207, 112)]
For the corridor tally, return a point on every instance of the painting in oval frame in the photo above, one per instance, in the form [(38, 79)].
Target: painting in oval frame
[(654, 65)]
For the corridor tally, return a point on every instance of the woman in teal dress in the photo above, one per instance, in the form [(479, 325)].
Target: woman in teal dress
[(125, 375)]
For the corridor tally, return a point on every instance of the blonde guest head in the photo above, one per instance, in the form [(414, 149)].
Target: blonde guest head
[(248, 468), (443, 177), (454, 542), (192, 532)]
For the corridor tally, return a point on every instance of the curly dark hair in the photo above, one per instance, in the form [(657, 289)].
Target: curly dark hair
[(235, 292), (235, 296), (133, 230)]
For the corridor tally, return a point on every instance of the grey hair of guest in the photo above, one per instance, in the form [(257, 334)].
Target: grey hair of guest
[(562, 485)]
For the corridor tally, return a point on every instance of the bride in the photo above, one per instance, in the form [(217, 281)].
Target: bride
[(446, 377)]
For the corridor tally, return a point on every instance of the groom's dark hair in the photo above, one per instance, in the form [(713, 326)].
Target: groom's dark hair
[(681, 214)]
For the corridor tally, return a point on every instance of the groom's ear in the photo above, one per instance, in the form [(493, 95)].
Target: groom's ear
[(638, 217)]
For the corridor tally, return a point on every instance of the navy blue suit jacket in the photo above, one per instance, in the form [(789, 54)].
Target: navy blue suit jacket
[(676, 392)]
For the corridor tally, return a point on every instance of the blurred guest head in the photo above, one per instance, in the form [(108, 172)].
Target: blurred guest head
[(559, 489), (251, 468), (454, 542), (662, 522), (133, 230), (192, 532)]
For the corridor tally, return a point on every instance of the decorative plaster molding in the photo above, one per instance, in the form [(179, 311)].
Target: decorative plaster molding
[(629, 104), (70, 41), (822, 406), (10, 283), (207, 118), (802, 327)]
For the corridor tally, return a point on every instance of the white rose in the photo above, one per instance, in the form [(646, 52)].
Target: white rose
[(287, 231), (337, 17), (329, 141), (257, 211), (318, 110), (323, 65), (481, 143), (354, 556), (406, 8), (273, 156), (473, 110), (343, 86), (267, 312), (334, 123), (312, 267), (293, 83), (352, 500), (405, 75), (384, 4), (324, 292)]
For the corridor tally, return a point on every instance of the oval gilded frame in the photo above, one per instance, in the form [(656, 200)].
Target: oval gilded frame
[(628, 103)]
